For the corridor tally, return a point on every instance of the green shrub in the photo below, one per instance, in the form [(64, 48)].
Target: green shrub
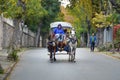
[(1, 70), (109, 47), (101, 48), (117, 36), (105, 47), (13, 55)]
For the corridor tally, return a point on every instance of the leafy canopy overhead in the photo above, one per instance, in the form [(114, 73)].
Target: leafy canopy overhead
[(81, 10), (53, 9)]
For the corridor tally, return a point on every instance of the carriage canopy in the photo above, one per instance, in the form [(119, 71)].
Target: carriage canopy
[(64, 25)]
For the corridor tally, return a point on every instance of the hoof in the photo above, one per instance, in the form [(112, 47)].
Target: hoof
[(51, 60), (74, 61), (54, 59)]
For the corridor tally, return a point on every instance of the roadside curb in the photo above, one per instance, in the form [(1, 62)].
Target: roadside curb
[(9, 71), (11, 67), (108, 54)]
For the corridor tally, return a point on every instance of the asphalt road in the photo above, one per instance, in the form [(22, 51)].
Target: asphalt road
[(35, 65)]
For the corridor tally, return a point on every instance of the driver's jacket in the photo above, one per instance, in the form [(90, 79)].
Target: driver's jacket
[(59, 34), (58, 31)]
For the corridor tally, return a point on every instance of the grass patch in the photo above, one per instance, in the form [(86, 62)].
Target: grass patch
[(1, 70), (13, 55)]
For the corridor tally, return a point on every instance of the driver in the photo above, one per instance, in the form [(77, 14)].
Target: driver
[(59, 33)]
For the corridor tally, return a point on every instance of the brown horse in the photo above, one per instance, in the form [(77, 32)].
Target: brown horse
[(52, 47)]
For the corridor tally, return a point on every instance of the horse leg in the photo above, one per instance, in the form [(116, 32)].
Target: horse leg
[(69, 56), (60, 46), (69, 53), (54, 53), (50, 49), (74, 53), (72, 57), (51, 59), (50, 55), (74, 50)]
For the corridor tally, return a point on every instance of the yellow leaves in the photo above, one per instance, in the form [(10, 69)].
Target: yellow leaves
[(13, 2), (100, 20), (67, 16), (5, 14), (19, 10), (25, 1), (34, 9), (81, 11), (100, 25)]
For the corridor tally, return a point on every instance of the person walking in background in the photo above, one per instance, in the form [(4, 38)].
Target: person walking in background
[(92, 41)]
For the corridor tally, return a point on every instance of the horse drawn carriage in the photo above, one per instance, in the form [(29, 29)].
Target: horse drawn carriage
[(62, 38)]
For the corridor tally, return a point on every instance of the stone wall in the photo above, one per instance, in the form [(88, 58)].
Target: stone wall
[(28, 40), (1, 32), (7, 34), (24, 37)]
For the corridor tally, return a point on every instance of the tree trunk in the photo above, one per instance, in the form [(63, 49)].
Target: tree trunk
[(111, 11), (15, 41), (88, 33), (113, 42), (1, 36), (88, 39), (1, 32), (116, 5), (82, 39), (44, 40), (21, 35), (38, 36)]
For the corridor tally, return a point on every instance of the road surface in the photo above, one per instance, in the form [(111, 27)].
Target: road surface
[(35, 65)]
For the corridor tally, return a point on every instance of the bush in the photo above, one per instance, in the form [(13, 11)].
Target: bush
[(1, 70), (13, 55), (117, 36), (106, 47), (101, 48)]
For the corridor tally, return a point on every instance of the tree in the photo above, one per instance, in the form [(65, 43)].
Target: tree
[(82, 12), (34, 16), (31, 12), (53, 9), (116, 5)]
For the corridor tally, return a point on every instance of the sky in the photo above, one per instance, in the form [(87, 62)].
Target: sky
[(64, 2)]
